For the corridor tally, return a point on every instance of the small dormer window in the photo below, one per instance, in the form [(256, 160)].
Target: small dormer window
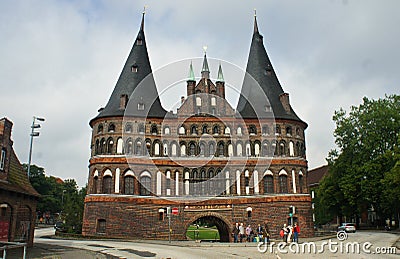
[(111, 128), (134, 68), (267, 108), (140, 106), (213, 101), (198, 101), (139, 42)]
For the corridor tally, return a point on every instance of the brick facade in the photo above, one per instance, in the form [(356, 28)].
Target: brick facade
[(207, 159)]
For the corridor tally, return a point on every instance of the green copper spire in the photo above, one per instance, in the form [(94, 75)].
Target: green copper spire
[(191, 73), (205, 71), (220, 77)]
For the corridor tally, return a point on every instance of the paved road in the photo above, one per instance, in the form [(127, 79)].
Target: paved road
[(161, 249)]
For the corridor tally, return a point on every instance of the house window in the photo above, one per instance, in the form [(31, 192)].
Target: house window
[(215, 129), (192, 149), (101, 226), (193, 130), (128, 128), (277, 130), (205, 131), (100, 129), (221, 149), (301, 183), (95, 183), (213, 101), (141, 128), (129, 184), (2, 159), (198, 101), (265, 130), (167, 131), (134, 68), (139, 42), (211, 149), (140, 106), (252, 130), (145, 185), (181, 130), (289, 131), (107, 184), (283, 188), (154, 130), (268, 184)]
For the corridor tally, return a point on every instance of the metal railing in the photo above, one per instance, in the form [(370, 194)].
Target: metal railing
[(12, 245)]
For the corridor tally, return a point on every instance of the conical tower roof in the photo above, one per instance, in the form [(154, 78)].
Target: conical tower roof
[(137, 67), (252, 101)]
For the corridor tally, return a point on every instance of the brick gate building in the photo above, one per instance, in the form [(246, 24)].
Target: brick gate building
[(209, 160)]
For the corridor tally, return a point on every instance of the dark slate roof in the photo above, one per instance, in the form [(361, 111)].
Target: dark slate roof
[(252, 100), (17, 178), (133, 85), (315, 176)]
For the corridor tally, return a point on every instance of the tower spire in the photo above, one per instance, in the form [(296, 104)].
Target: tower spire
[(220, 77), (191, 73), (205, 71), (143, 13), (255, 22)]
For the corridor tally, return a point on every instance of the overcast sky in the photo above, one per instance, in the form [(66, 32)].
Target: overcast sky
[(61, 60)]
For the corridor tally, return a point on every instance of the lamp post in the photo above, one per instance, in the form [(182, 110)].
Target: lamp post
[(33, 134)]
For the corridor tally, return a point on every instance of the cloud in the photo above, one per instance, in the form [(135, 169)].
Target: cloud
[(61, 60)]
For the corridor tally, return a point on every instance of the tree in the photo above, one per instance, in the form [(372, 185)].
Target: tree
[(367, 140)]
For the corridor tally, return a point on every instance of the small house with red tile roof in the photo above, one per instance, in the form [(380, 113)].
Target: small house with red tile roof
[(18, 198)]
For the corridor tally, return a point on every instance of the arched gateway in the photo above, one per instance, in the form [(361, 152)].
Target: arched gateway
[(223, 225)]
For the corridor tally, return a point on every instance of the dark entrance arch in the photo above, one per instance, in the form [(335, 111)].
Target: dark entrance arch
[(221, 224)]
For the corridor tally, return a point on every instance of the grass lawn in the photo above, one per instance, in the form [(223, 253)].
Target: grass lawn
[(202, 233)]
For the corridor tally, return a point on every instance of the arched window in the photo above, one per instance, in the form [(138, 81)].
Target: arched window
[(298, 149), (128, 128), (145, 185), (202, 149), (95, 184), (216, 129), (138, 147), (239, 131), (291, 148), (301, 182), (298, 132), (154, 130), (198, 101), (289, 131), (181, 130), (239, 149), (268, 184), (129, 184), (120, 146), (248, 149), (211, 149), (111, 128), (205, 130), (257, 149), (165, 149), (265, 130), (156, 149), (227, 131), (252, 130), (183, 149), (107, 184), (192, 149), (141, 128), (167, 131), (213, 101), (100, 128), (277, 130), (274, 148), (97, 147), (193, 130), (283, 186), (265, 149), (230, 149), (110, 144), (221, 147), (282, 148), (102, 146), (173, 149)]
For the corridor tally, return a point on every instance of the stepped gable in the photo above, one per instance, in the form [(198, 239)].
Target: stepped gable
[(141, 95)]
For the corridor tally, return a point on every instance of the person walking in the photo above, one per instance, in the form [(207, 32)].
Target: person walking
[(242, 232), (266, 233), (235, 232), (284, 233)]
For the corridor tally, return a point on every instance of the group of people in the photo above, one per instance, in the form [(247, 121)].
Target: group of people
[(248, 234), (290, 233), (241, 234)]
